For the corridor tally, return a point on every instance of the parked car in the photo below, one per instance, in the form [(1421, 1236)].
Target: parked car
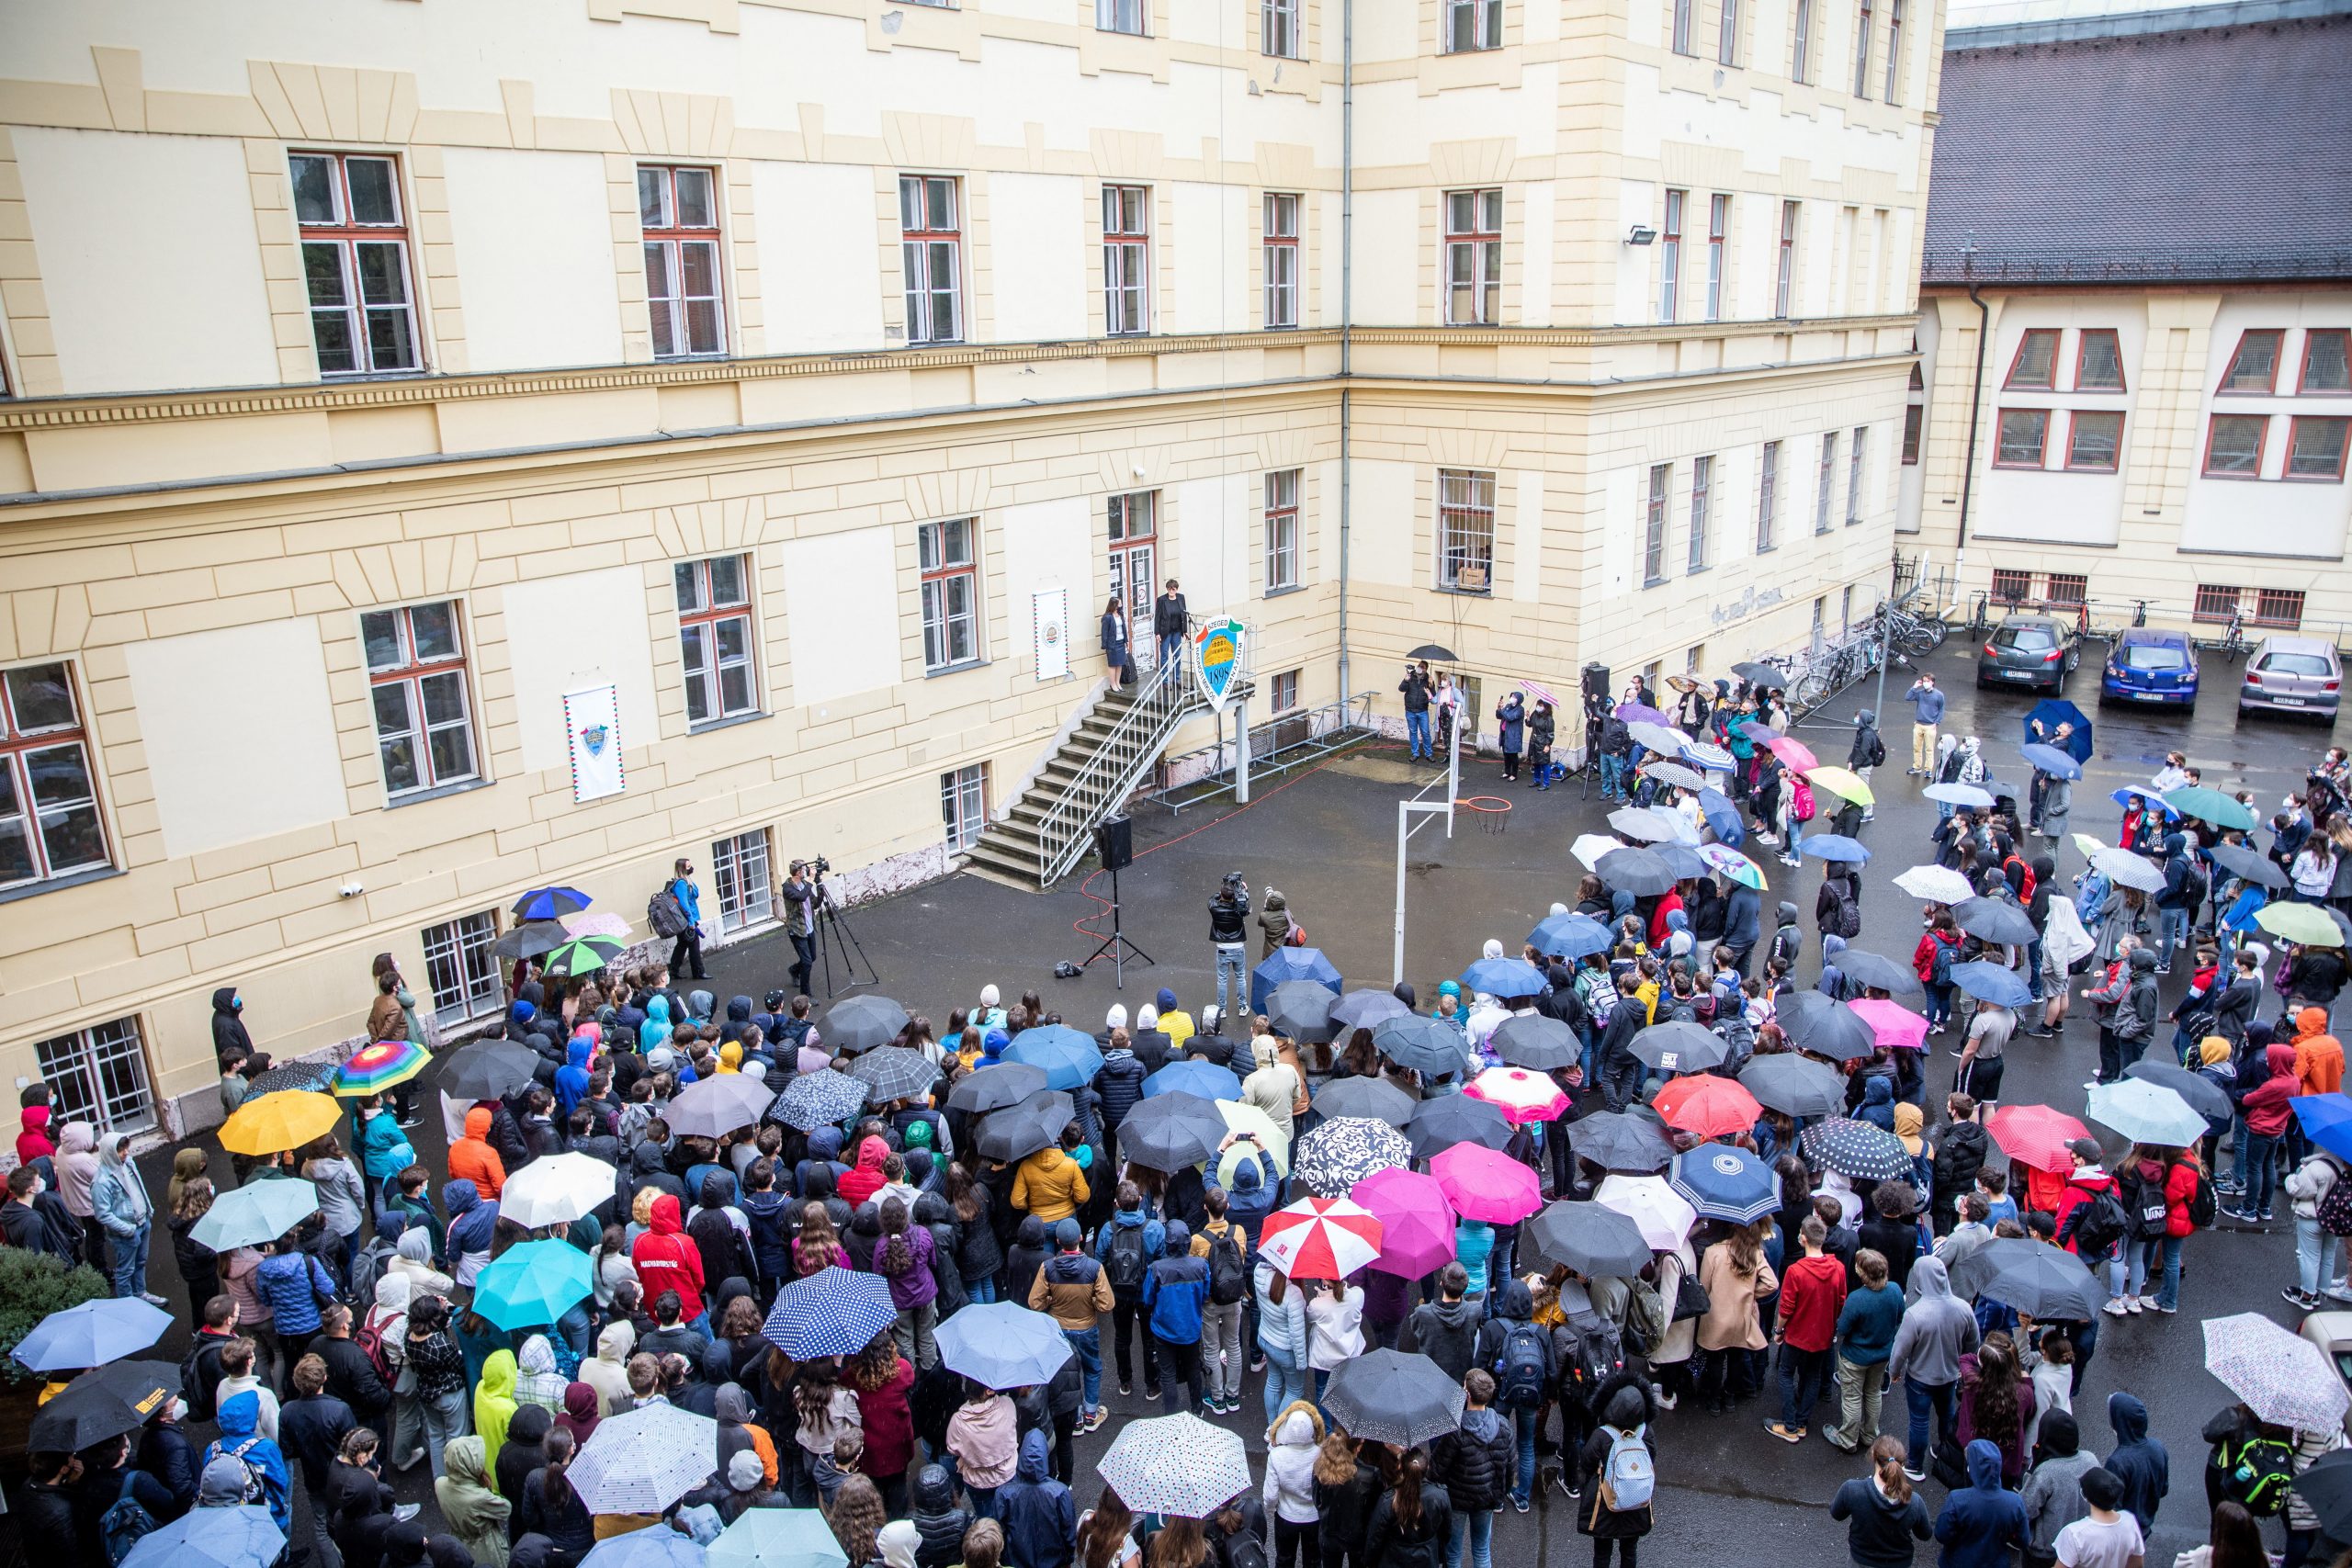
[(2292, 674), (2150, 666), (2031, 652)]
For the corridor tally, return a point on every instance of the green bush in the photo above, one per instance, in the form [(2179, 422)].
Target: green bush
[(33, 1285)]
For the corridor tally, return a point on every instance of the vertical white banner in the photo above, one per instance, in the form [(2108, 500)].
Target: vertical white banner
[(1050, 617), (592, 728)]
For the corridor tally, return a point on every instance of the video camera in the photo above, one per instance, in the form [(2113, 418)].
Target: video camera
[(819, 864)]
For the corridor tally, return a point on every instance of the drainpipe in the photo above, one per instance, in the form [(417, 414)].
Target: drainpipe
[(1976, 413), (1347, 302)]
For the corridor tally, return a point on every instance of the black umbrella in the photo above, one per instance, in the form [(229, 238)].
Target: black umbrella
[(293, 1075), (1421, 1045), (1616, 1141), (104, 1402), (861, 1023), (530, 938), (1876, 972), (1768, 675), (2251, 864), (1171, 1130), (1818, 1023), (487, 1069), (1531, 1041), (1793, 1085), (1434, 654), (1679, 1046), (1394, 1397), (2204, 1096), (2326, 1486), (1367, 1010), (1438, 1125), (2039, 1280), (1368, 1097), (1857, 1150), (1301, 1009), (1007, 1083), (1641, 872), (1019, 1131), (1598, 1243), (895, 1072), (1993, 921)]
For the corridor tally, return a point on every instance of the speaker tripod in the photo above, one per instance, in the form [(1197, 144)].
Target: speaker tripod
[(1118, 944), (832, 929)]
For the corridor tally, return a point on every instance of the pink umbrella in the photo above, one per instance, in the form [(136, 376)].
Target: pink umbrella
[(1483, 1185), (1897, 1026), (601, 922), (1321, 1239), (1794, 752), (1518, 1094), (1416, 1222)]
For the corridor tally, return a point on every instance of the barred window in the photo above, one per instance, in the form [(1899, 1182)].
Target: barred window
[(1465, 519), (461, 969)]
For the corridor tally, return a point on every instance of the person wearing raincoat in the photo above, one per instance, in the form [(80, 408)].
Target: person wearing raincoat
[(494, 1400), (475, 1515)]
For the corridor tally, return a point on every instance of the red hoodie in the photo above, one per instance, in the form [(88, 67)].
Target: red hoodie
[(2266, 1105), (33, 1142), (868, 1179), (666, 1259)]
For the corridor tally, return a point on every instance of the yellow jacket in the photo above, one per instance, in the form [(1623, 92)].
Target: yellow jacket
[(1050, 1185)]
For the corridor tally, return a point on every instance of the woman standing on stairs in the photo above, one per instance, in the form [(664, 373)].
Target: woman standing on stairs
[(1114, 643)]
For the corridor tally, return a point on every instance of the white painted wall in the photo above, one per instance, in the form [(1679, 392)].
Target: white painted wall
[(238, 733), (819, 274), (1212, 235), (549, 652), (534, 256), (1045, 545), (1040, 279), (151, 268), (1527, 537), (1380, 535), (842, 604), (1388, 224), (1535, 250), (1215, 528), (2271, 516)]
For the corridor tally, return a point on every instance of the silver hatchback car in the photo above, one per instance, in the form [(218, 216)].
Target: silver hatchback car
[(2292, 674)]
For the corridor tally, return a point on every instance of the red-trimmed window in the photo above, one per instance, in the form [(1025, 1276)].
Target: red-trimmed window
[(1281, 259), (1718, 235), (930, 255), (714, 637), (2066, 588), (678, 208), (1785, 279), (2215, 602), (1893, 50), (1126, 259), (1474, 258), (1768, 497), (355, 262), (2025, 437), (949, 556), (2254, 368), (2011, 586), (416, 685), (1473, 25), (1670, 255), (2094, 441), (50, 823), (2325, 368), (2098, 361), (2233, 445), (1654, 524), (2279, 609), (2035, 366), (1282, 529), (1465, 530), (2315, 448), (1862, 50)]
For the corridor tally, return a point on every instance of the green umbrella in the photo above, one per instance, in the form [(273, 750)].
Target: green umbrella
[(2210, 806), (2304, 923), (583, 955)]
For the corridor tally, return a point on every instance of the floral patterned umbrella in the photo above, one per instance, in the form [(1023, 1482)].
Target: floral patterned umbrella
[(1343, 1151)]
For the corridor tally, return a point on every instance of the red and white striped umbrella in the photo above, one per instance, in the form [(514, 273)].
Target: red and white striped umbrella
[(1520, 1094), (1321, 1239)]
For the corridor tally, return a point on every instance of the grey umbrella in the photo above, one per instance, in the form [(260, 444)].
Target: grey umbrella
[(1532, 1040), (993, 1089), (1422, 1045), (1364, 1097), (1172, 1130), (1616, 1141), (1822, 1024), (2205, 1097), (1678, 1047), (1394, 1397), (2251, 864), (1681, 860), (1019, 1131), (895, 1072), (1675, 774), (1993, 921), (861, 1023), (1301, 1009), (1367, 1010), (487, 1069), (1793, 1085), (1596, 1241), (717, 1106), (1438, 1125), (1641, 872), (2039, 1280), (1634, 823), (1876, 971)]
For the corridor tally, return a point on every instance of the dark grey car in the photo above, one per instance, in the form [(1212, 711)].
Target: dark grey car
[(2292, 674), (2032, 653)]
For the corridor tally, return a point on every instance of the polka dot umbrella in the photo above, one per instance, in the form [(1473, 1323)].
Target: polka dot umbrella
[(1177, 1465)]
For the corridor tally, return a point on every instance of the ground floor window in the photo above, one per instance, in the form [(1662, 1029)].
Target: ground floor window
[(461, 969), (964, 805), (746, 895), (1285, 691), (99, 1075)]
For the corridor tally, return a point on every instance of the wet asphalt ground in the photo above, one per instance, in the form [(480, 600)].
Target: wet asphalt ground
[(1729, 1493)]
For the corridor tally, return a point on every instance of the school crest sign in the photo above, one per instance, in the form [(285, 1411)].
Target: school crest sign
[(1216, 653)]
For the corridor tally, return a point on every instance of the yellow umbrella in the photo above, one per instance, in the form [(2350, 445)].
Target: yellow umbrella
[(1240, 1116), (1845, 784), (286, 1120), (2088, 845)]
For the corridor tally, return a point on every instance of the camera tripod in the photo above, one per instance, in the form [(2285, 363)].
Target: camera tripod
[(832, 929)]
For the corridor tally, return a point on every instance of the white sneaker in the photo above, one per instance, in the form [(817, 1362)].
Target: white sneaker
[(2137, 1303), (2114, 1307)]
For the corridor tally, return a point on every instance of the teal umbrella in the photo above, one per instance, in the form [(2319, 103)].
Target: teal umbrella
[(777, 1538), (532, 1285), (258, 1212)]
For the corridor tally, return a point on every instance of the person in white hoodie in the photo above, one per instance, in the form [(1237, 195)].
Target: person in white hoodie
[(388, 1319), (1291, 1443), (2307, 1186)]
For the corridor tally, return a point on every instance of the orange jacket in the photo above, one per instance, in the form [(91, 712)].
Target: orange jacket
[(472, 1157), (2319, 1055)]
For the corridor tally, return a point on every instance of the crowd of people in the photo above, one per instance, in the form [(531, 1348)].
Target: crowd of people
[(349, 1349)]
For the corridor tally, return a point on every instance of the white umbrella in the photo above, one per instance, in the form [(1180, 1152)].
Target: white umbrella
[(644, 1459), (556, 1190), (1967, 795), (1177, 1465), (1665, 1216), (2128, 870), (2284, 1379), (2146, 1113), (1935, 884), (1589, 847)]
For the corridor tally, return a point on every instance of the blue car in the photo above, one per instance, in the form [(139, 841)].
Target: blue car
[(2149, 667)]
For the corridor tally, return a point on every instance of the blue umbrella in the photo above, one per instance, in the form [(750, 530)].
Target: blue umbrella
[(1424, 1046), (1291, 964), (262, 1211), (2125, 795), (1195, 1077), (1362, 1010), (1504, 977), (533, 1284), (1067, 1058), (1726, 1183), (834, 1311), (1723, 816), (1003, 1345), (2051, 712), (1570, 936), (91, 1334), (660, 1547), (549, 903), (1994, 983), (2327, 1122), (2051, 760), (777, 1538), (1834, 846), (242, 1537)]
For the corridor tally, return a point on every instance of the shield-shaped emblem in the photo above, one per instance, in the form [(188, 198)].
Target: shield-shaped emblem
[(594, 738), (1217, 650)]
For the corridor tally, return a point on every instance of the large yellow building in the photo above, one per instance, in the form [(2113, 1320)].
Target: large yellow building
[(418, 408)]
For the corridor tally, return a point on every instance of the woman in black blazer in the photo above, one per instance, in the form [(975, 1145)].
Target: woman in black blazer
[(1115, 642)]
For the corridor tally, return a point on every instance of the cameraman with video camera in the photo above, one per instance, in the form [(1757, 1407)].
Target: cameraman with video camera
[(799, 897), (1229, 933)]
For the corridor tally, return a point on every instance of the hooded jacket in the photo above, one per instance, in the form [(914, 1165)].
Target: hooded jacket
[(1962, 1148), (2136, 1013), (1447, 1333), (2319, 1055), (294, 1281), (472, 1158), (1039, 1516), (2139, 1460), (1878, 1530), (983, 1437), (867, 1179), (229, 1036), (77, 1167), (571, 1078), (1050, 1185), (119, 1196), (2268, 1104), (666, 1259), (1289, 1493), (1938, 1330), (2053, 1489), (1176, 1289), (606, 1371), (33, 1142), (725, 1246), (475, 1515), (937, 1519), (1120, 1084), (1273, 923), (494, 1403), (473, 1226), (1475, 1463), (240, 1439), (1981, 1522)]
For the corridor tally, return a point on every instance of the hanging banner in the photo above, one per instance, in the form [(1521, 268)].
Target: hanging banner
[(1049, 614), (592, 728), (1216, 651)]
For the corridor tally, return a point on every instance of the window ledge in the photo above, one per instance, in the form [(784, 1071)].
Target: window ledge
[(439, 791), (1696, 571), (1467, 592), (729, 722), (1654, 581), (1766, 549), (1282, 592), (955, 669), (56, 884)]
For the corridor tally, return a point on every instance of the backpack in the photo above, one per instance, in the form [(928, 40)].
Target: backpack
[(193, 1388), (1242, 1549), (1939, 960), (1647, 1319), (1877, 751), (2194, 887), (1627, 1480), (2336, 1209), (2025, 878), (1800, 801), (2204, 1204), (1595, 1354), (125, 1521), (1519, 1380), (369, 1337), (1846, 917), (665, 914), (2148, 1207), (256, 1489), (1124, 1262), (2257, 1475), (2097, 1223), (1228, 1279)]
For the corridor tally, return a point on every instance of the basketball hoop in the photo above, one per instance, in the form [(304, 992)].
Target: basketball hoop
[(1492, 812)]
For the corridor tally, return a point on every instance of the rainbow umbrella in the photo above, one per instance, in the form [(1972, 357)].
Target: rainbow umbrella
[(379, 1064)]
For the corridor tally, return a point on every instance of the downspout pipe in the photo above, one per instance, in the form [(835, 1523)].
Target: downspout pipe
[(1347, 305), (1976, 416)]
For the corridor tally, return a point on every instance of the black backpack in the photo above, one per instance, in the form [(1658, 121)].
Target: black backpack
[(2145, 1202), (1126, 1260), (2099, 1223), (1520, 1381), (2194, 887), (1846, 919), (2258, 1474), (1228, 1279), (1595, 1353)]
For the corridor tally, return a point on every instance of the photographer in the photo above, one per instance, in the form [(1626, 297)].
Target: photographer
[(1229, 933), (799, 897), (688, 947)]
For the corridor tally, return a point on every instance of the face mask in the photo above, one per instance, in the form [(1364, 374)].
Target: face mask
[(236, 1004), (177, 1410)]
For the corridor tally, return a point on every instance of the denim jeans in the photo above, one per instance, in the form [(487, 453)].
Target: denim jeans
[(1086, 1345), (1939, 1004), (1524, 1420), (131, 1263), (1232, 961), (2314, 1257), (1417, 732), (980, 1292), (446, 1420), (1925, 1399), (1222, 1360), (1612, 777), (1171, 648), (1796, 837), (2159, 1254), (2261, 1172), (1804, 1374), (1286, 1381), (1477, 1527), (2171, 926)]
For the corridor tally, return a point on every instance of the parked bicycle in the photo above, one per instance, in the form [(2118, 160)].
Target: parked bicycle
[(2231, 644)]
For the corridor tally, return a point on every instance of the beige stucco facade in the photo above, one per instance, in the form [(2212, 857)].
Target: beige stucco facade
[(204, 531)]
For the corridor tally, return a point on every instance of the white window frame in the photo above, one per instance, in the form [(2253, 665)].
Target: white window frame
[(964, 805), (1279, 241), (1703, 497), (928, 248), (1718, 242), (1468, 27), (1281, 29), (1655, 509), (30, 801), (1474, 256), (462, 970), (705, 621), (1282, 486), (674, 307), (1857, 474), (1768, 497), (1126, 259), (1801, 55), (941, 568), (1825, 488), (409, 677), (78, 1064), (1785, 280), (741, 879), (1283, 688), (1130, 17), (1465, 496)]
